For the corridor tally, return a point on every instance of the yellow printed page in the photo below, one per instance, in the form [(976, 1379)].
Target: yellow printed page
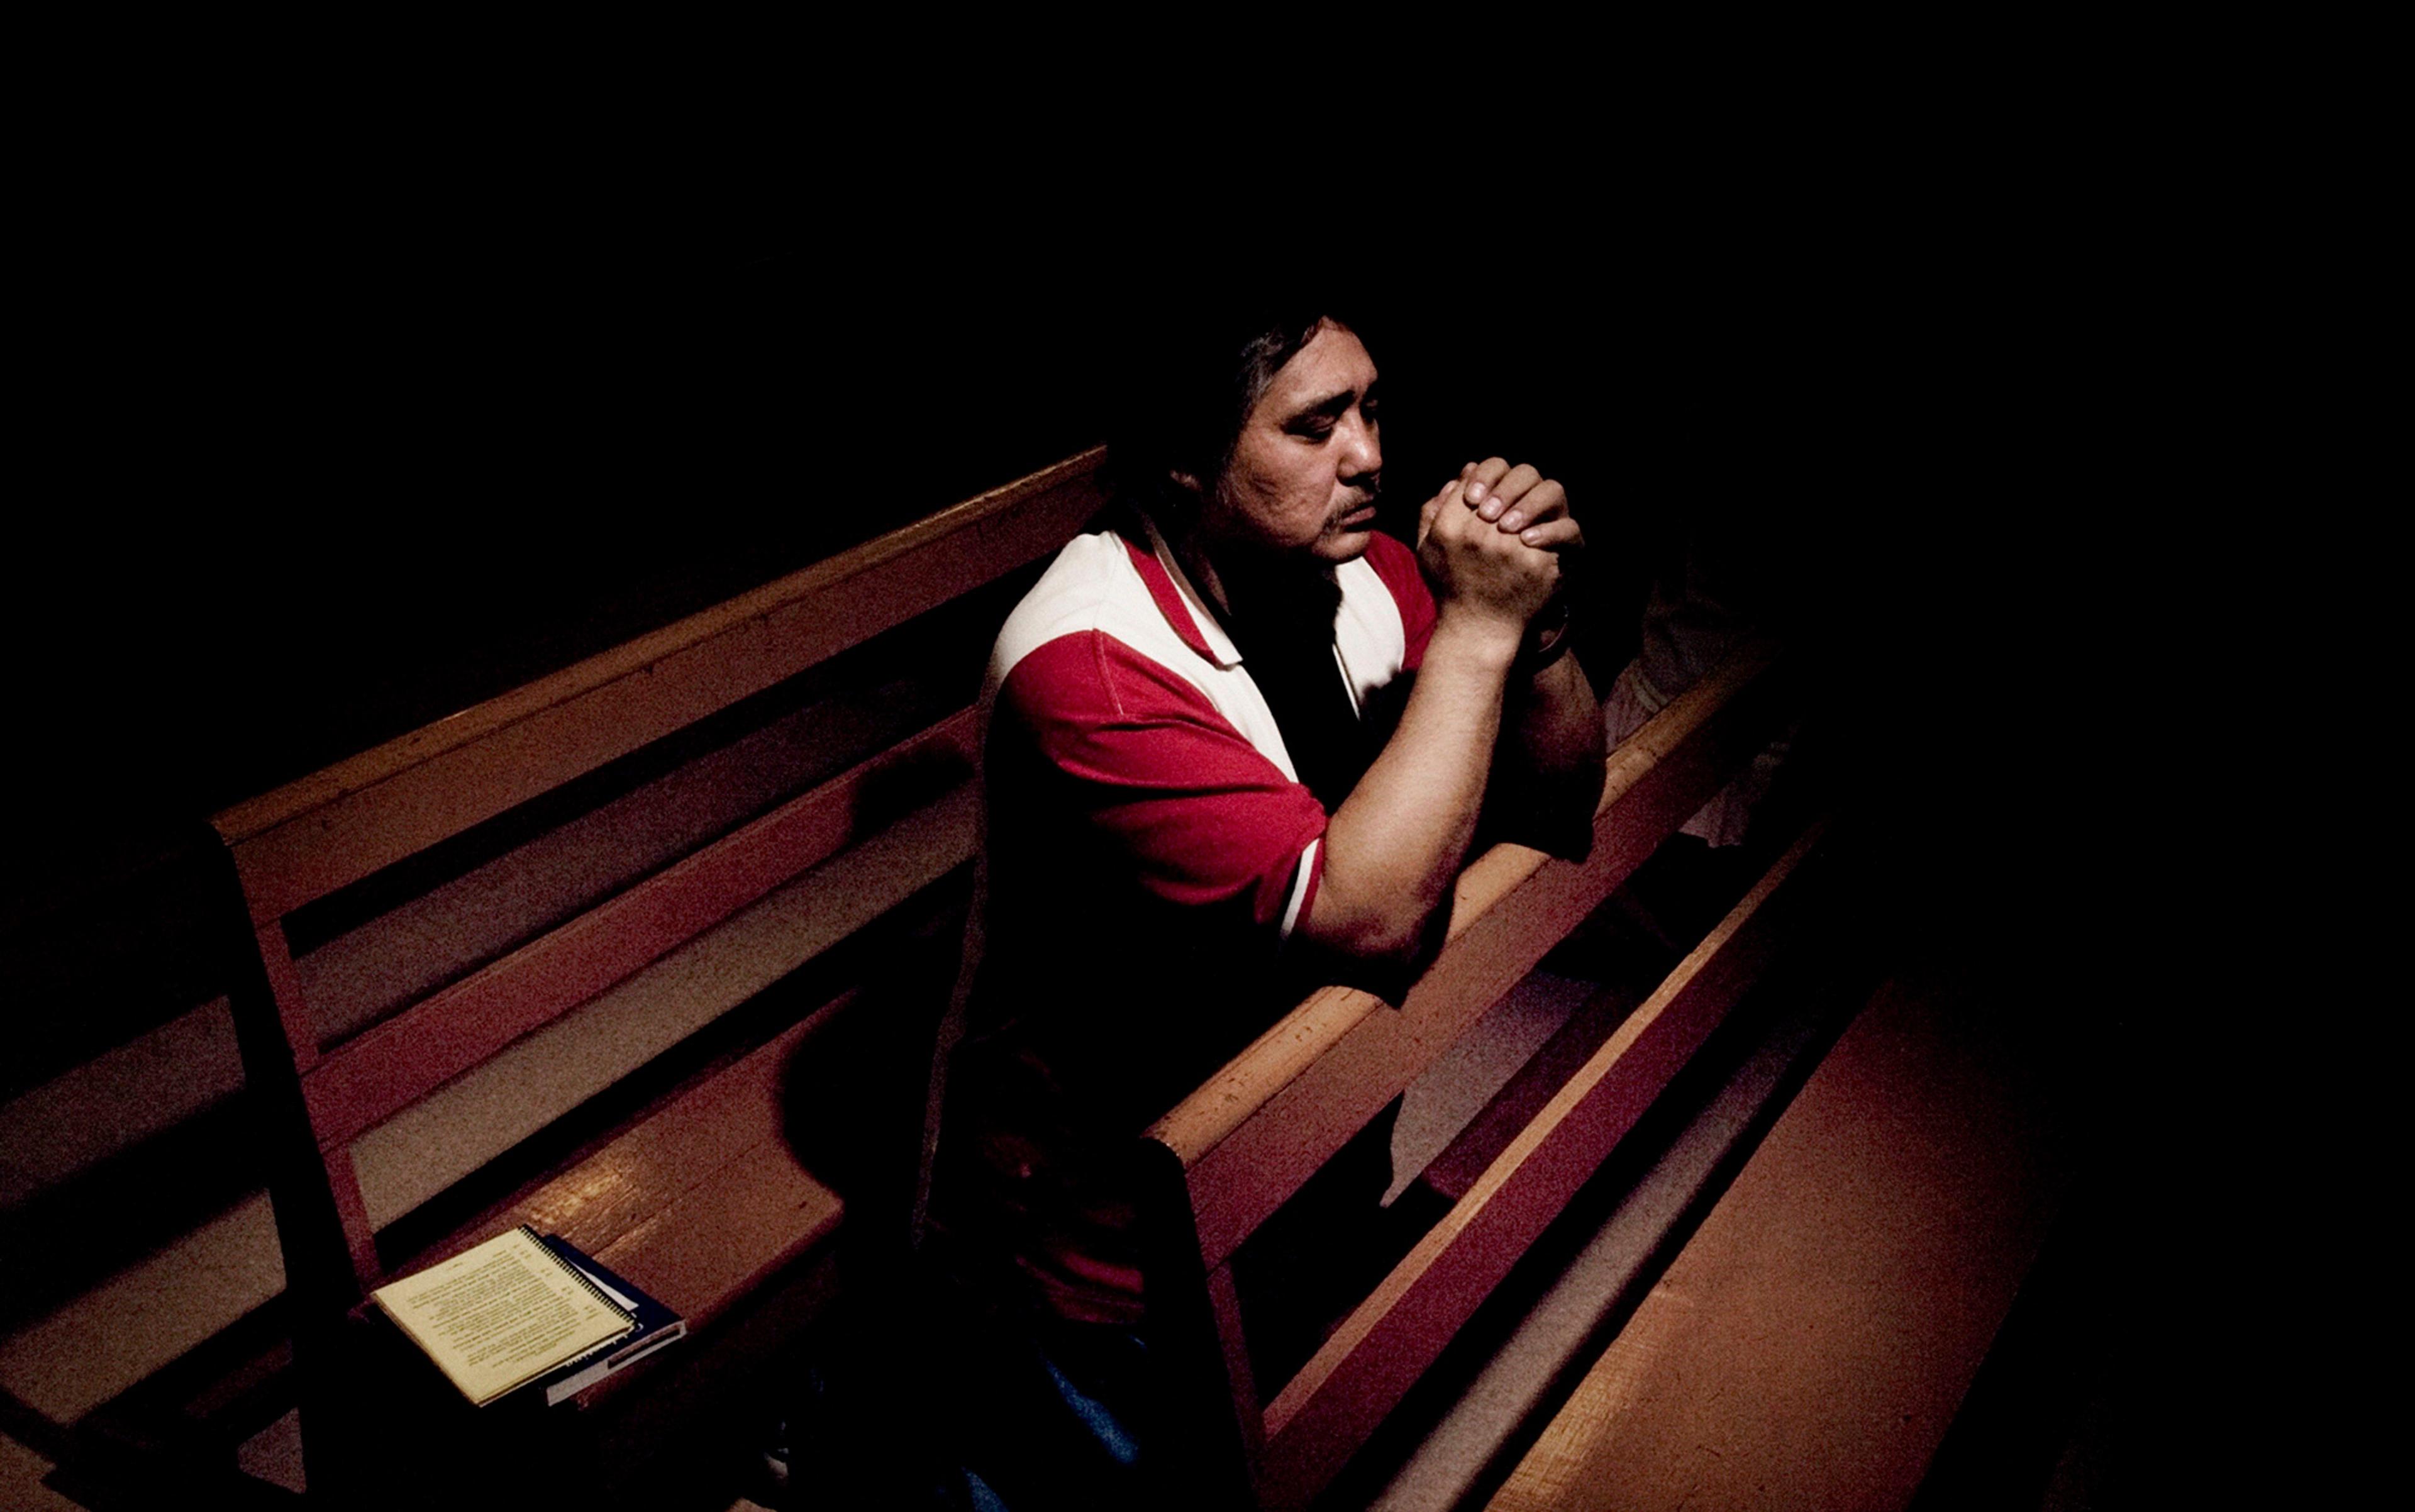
[(500, 1314)]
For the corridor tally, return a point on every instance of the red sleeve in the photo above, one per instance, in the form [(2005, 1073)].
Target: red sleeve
[(1146, 760), (1397, 565)]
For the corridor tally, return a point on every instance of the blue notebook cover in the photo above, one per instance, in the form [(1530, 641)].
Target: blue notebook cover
[(658, 1326)]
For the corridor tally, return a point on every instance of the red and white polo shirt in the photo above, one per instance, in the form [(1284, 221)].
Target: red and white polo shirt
[(1117, 674), (1150, 848)]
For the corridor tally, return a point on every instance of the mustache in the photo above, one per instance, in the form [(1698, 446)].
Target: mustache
[(1368, 492)]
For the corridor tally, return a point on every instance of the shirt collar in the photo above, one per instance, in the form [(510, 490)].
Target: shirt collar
[(1178, 601)]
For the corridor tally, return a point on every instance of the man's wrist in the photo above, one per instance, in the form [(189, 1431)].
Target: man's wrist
[(1547, 637), (1489, 640)]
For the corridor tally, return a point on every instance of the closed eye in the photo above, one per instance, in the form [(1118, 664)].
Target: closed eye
[(1316, 423)]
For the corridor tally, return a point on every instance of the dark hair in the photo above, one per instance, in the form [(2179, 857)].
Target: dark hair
[(1189, 381)]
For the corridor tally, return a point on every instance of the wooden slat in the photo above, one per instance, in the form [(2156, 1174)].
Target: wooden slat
[(1454, 1172), (1225, 1300), (1263, 1126), (523, 1088), (1335, 1401), (136, 1323), (426, 942), (410, 1055), (336, 826), (353, 1217), (285, 990)]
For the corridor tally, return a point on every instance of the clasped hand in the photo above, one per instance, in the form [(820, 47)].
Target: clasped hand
[(1493, 540)]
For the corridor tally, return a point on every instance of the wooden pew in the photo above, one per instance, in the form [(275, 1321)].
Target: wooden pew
[(1232, 1153), (387, 1102)]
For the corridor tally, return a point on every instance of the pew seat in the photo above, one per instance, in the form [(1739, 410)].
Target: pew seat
[(1812, 1342)]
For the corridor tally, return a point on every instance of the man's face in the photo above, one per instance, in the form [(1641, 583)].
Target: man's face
[(1303, 479)]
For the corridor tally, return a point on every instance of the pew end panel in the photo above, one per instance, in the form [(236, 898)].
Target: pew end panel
[(590, 956)]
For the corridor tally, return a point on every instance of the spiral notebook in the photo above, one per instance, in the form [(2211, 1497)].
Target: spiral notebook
[(658, 1326), (503, 1313)]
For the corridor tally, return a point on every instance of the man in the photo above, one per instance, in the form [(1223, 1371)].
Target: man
[(1240, 744)]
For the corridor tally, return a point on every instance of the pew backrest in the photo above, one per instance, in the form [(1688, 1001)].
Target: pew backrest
[(1248, 1139), (604, 863)]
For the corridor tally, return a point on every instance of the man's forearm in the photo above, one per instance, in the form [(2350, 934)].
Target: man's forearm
[(1394, 847), (1549, 774)]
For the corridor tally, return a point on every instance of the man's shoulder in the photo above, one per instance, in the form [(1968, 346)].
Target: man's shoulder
[(1091, 635), (1091, 586)]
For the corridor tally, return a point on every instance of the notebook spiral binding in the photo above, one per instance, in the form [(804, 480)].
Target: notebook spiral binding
[(581, 1278)]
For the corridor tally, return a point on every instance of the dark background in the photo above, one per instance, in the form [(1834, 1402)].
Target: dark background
[(321, 448)]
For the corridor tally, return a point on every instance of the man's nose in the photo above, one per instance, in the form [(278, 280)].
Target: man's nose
[(1362, 449)]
